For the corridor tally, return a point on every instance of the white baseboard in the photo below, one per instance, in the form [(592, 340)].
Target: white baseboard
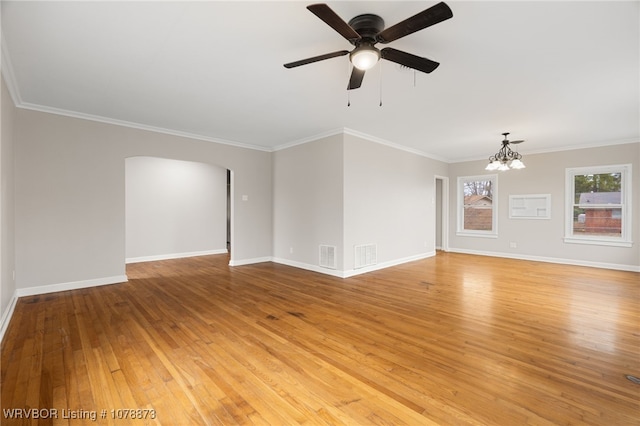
[(52, 288), (562, 261), (75, 285), (309, 267), (6, 316), (250, 261), (388, 264), (353, 272), (174, 256)]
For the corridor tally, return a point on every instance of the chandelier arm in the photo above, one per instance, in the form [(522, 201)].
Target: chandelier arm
[(506, 157)]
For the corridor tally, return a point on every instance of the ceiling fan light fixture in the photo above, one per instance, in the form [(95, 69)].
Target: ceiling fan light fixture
[(364, 57)]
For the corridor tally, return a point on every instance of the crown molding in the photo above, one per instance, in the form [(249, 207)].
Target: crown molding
[(390, 144), (7, 71), (138, 126), (559, 149), (308, 139), (361, 135), (6, 68)]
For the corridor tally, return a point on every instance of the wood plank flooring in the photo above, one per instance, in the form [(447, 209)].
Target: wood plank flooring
[(450, 340)]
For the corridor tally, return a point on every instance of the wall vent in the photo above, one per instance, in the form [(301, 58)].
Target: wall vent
[(328, 257), (365, 255)]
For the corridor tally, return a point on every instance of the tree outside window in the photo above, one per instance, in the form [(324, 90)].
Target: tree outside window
[(598, 200)]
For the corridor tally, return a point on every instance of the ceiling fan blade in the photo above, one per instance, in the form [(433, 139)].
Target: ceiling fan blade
[(408, 60), (332, 19), (515, 142), (316, 59), (355, 81), (433, 15)]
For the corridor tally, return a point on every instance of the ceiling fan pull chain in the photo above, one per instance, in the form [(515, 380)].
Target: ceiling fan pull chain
[(349, 67), (380, 74)]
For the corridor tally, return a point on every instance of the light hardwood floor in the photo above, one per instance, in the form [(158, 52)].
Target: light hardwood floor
[(453, 340)]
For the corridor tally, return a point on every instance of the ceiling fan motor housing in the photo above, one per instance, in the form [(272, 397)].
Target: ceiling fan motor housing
[(368, 26)]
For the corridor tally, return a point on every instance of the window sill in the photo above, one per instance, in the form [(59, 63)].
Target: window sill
[(611, 243), (474, 234)]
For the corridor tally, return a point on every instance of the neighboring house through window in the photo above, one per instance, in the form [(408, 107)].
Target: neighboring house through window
[(598, 209), (477, 206)]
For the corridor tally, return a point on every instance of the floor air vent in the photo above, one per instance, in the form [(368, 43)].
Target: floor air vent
[(328, 257), (366, 255)]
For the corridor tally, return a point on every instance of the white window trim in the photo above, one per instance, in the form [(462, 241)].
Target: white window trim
[(625, 239), (460, 231)]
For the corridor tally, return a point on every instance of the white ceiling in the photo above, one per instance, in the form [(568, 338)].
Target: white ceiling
[(557, 74)]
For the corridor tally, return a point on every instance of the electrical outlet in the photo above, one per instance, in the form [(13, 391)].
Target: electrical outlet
[(513, 244), (290, 250)]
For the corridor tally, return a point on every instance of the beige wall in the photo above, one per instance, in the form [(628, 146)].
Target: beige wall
[(389, 201), (7, 256), (543, 239), (308, 202), (70, 199), (345, 190)]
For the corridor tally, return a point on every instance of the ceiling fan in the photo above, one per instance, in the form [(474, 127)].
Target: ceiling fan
[(365, 31)]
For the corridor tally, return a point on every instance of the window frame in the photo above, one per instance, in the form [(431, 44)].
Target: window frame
[(624, 240), (460, 231)]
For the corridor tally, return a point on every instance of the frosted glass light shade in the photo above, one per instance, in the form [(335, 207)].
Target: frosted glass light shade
[(493, 165), (517, 164), (365, 58)]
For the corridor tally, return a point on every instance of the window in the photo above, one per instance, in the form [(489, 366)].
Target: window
[(598, 205), (478, 205)]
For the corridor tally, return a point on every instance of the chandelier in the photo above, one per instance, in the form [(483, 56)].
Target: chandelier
[(506, 158)]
